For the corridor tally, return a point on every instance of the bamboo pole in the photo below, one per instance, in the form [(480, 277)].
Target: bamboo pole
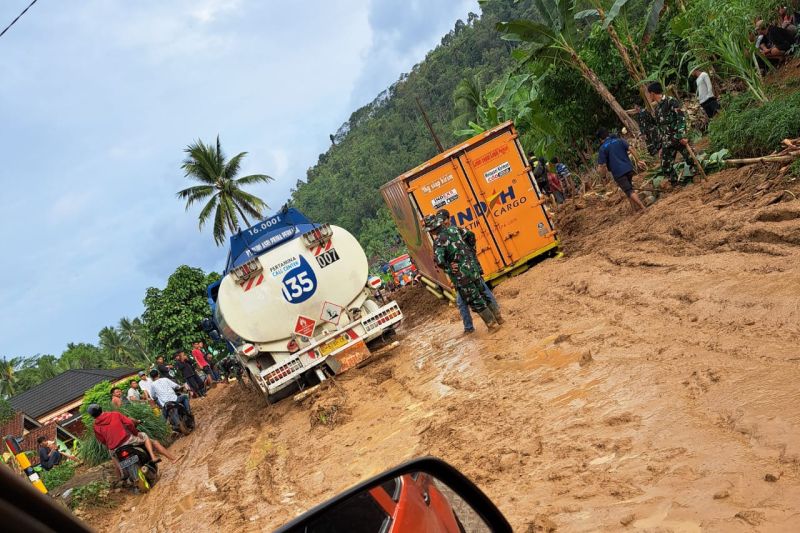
[(765, 159)]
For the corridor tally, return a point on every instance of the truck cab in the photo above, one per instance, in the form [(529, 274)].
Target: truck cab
[(403, 270)]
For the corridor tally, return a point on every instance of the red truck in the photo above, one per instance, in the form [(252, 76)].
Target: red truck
[(403, 270)]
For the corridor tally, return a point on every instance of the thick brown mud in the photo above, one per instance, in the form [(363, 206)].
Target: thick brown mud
[(647, 380)]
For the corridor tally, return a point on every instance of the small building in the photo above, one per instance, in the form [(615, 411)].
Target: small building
[(51, 409)]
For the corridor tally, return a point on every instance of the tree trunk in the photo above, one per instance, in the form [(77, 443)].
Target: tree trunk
[(241, 213), (635, 73), (598, 85)]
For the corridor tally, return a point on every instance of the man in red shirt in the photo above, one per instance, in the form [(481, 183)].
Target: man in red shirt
[(113, 429), (202, 362)]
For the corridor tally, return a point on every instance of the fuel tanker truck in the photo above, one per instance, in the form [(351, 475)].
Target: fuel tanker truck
[(296, 303)]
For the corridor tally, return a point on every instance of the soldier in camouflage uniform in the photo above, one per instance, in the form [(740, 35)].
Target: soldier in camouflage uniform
[(455, 257), (491, 301), (649, 129), (671, 122)]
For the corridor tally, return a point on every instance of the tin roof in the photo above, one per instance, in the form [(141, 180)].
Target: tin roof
[(63, 389)]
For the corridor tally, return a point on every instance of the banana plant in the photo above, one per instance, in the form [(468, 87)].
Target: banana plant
[(556, 40)]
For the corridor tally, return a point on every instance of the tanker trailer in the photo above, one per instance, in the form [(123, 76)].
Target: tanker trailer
[(296, 303)]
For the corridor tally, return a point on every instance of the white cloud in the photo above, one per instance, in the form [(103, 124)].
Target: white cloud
[(102, 97), (69, 206), (205, 11), (280, 161)]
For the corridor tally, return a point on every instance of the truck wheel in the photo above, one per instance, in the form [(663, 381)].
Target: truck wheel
[(382, 340), (282, 394)]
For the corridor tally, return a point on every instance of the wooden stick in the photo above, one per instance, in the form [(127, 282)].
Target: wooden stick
[(696, 161), (766, 159)]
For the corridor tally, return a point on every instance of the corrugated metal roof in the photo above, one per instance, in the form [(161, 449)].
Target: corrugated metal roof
[(63, 389)]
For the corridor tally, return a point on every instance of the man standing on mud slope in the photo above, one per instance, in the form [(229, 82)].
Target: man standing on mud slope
[(463, 308), (454, 256), (613, 157), (671, 122)]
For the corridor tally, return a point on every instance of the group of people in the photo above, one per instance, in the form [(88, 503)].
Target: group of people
[(455, 253), (775, 39), (666, 133), (158, 387), (555, 179)]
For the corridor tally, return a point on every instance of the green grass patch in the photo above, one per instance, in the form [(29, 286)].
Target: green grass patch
[(94, 494), (750, 129), (58, 475)]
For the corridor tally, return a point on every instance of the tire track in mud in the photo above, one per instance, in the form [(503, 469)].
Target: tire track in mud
[(649, 380)]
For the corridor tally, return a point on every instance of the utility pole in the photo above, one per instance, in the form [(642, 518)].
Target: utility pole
[(430, 127)]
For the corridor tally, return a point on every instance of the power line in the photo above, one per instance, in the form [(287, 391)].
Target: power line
[(16, 19)]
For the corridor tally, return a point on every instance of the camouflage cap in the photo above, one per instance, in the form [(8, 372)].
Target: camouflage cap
[(443, 215), (432, 222)]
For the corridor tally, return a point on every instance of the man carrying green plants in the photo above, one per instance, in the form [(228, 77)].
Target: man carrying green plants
[(113, 429), (671, 123)]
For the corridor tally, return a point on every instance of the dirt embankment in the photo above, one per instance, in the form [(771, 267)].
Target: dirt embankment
[(645, 381)]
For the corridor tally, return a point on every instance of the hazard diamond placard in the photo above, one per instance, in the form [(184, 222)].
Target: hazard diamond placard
[(331, 313), (305, 326)]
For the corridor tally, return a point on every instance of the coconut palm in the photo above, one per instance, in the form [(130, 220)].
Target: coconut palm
[(112, 343), (205, 163), (557, 39), (7, 378), (132, 333)]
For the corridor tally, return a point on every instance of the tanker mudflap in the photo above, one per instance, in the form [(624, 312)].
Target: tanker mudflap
[(349, 357)]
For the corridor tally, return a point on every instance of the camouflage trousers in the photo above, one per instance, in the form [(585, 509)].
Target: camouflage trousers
[(668, 154), (471, 292)]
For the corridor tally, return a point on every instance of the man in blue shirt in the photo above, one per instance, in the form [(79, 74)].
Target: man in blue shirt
[(613, 157)]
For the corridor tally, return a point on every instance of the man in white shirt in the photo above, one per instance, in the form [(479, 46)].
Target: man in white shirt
[(705, 93), (163, 391), (144, 386), (134, 392)]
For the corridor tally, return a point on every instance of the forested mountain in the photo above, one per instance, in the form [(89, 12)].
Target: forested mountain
[(558, 68), (388, 136)]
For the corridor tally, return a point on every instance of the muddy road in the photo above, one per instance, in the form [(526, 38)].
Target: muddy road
[(648, 380)]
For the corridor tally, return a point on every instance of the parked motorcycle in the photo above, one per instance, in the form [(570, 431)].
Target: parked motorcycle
[(137, 467), (181, 420)]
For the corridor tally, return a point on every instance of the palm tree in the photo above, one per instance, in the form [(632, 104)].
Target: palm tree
[(220, 186), (132, 333), (468, 97), (115, 346), (7, 378), (556, 39)]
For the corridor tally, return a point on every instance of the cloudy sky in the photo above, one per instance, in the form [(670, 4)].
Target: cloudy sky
[(98, 98)]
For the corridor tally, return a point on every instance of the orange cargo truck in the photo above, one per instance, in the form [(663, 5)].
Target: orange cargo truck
[(488, 187)]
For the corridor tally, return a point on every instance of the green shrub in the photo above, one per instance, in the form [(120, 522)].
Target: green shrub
[(94, 494), (99, 394), (6, 411), (794, 168), (58, 475), (750, 129)]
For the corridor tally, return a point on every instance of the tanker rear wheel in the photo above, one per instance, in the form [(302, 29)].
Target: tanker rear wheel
[(304, 381), (381, 340)]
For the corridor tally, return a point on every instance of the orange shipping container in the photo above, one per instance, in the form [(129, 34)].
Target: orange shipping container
[(488, 187)]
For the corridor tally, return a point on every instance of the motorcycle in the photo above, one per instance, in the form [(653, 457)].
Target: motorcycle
[(233, 368), (181, 420), (137, 467)]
